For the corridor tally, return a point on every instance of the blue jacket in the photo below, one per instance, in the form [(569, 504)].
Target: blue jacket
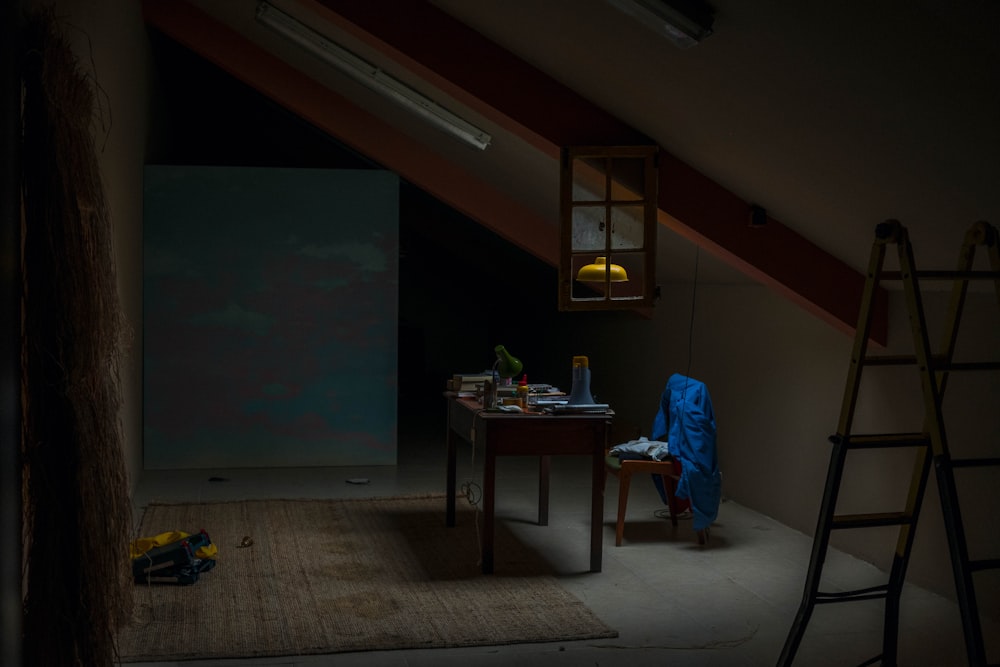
[(686, 421)]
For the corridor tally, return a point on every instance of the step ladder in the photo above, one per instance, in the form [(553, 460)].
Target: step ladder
[(929, 446)]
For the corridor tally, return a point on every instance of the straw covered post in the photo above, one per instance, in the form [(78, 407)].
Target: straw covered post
[(76, 500)]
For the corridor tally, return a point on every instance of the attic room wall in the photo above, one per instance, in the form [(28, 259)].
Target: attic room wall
[(110, 42)]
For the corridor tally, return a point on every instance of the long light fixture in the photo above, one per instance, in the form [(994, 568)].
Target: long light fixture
[(683, 22), (371, 76)]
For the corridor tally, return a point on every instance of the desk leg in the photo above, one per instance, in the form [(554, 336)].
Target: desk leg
[(452, 439), (544, 465), (597, 512), (489, 494)]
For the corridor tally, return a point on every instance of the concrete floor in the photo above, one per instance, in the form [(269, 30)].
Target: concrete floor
[(672, 602)]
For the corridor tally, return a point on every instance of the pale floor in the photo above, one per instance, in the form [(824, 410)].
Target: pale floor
[(672, 602)]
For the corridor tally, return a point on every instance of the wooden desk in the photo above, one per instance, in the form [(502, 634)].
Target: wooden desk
[(526, 434)]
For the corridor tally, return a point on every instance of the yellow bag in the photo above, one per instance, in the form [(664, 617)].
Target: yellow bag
[(206, 551)]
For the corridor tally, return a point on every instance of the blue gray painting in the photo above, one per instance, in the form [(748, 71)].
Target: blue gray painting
[(270, 317)]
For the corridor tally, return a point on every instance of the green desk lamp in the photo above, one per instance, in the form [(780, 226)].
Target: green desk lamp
[(507, 365)]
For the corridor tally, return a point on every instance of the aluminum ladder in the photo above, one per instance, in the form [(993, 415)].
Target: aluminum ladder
[(929, 446)]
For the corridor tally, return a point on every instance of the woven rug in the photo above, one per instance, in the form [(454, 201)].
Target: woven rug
[(329, 576)]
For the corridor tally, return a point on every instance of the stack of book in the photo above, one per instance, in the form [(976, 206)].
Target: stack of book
[(466, 382), (546, 390)]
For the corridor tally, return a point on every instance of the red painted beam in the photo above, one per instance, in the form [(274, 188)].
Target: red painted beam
[(716, 219), (527, 101)]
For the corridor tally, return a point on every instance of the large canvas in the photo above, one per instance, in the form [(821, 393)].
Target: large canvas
[(270, 317)]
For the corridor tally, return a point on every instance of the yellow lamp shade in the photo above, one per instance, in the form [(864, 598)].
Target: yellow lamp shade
[(597, 272)]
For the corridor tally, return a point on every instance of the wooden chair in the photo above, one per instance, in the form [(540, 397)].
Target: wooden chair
[(685, 417), (669, 470)]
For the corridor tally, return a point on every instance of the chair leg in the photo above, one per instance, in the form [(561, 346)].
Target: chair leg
[(624, 481), (671, 500)]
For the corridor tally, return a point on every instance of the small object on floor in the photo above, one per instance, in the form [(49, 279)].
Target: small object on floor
[(173, 557), (246, 542), (358, 480)]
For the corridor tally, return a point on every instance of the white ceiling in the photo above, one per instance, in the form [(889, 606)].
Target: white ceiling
[(833, 116)]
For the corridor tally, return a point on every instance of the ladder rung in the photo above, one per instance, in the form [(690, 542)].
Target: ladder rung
[(871, 593), (972, 366), (975, 463), (844, 521), (984, 564), (883, 440), (890, 360), (945, 274), (937, 361)]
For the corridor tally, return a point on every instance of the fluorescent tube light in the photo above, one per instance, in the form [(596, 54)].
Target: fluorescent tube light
[(370, 75), (683, 22)]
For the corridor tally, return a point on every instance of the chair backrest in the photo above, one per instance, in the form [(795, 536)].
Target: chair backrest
[(686, 420)]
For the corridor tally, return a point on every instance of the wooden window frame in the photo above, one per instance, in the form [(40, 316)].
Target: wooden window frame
[(571, 157)]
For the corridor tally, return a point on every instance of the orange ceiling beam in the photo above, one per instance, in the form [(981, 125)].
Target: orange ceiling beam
[(532, 104)]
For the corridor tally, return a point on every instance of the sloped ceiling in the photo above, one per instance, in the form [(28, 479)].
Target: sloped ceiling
[(832, 116)]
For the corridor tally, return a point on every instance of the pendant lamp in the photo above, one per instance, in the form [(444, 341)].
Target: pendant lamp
[(597, 272)]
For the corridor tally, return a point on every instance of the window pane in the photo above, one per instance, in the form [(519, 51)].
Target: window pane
[(588, 228), (634, 264), (585, 291), (589, 180), (626, 228), (627, 176)]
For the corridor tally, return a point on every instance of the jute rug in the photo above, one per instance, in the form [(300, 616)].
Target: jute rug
[(329, 576)]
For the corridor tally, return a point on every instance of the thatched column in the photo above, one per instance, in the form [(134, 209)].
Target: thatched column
[(77, 512)]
